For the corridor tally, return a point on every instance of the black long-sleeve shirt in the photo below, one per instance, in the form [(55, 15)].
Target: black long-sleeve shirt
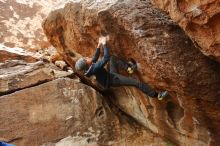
[(97, 68)]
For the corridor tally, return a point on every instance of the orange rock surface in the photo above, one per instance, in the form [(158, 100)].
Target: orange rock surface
[(199, 19), (168, 60), (21, 23)]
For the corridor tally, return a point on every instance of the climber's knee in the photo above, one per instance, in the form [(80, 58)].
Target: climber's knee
[(113, 58)]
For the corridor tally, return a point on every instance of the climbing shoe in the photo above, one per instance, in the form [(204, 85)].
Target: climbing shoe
[(162, 95), (132, 66)]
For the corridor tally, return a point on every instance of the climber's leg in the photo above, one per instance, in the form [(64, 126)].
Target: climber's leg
[(116, 63), (119, 80)]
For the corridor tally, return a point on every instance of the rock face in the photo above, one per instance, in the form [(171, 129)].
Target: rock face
[(43, 105), (199, 19), (130, 136), (167, 57), (55, 110), (16, 75), (21, 22), (44, 114), (20, 69), (8, 54)]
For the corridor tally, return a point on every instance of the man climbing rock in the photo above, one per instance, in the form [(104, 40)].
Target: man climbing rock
[(112, 78)]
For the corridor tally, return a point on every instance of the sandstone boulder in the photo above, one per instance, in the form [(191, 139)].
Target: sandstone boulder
[(168, 61), (20, 69), (7, 53), (39, 111), (18, 74), (53, 111), (130, 136), (199, 19), (69, 110), (21, 23)]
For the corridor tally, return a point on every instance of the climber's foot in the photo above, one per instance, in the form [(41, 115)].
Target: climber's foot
[(132, 66), (162, 95)]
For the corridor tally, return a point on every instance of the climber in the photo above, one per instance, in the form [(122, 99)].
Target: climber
[(111, 78)]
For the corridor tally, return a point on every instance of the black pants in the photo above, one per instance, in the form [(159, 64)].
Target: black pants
[(120, 80)]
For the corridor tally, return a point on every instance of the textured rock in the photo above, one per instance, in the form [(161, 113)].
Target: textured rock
[(129, 137), (199, 19), (61, 108), (167, 57), (7, 53), (20, 68), (52, 111), (18, 74), (40, 111), (21, 22)]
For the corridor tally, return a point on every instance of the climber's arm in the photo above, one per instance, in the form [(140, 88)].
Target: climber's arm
[(96, 55), (104, 59)]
